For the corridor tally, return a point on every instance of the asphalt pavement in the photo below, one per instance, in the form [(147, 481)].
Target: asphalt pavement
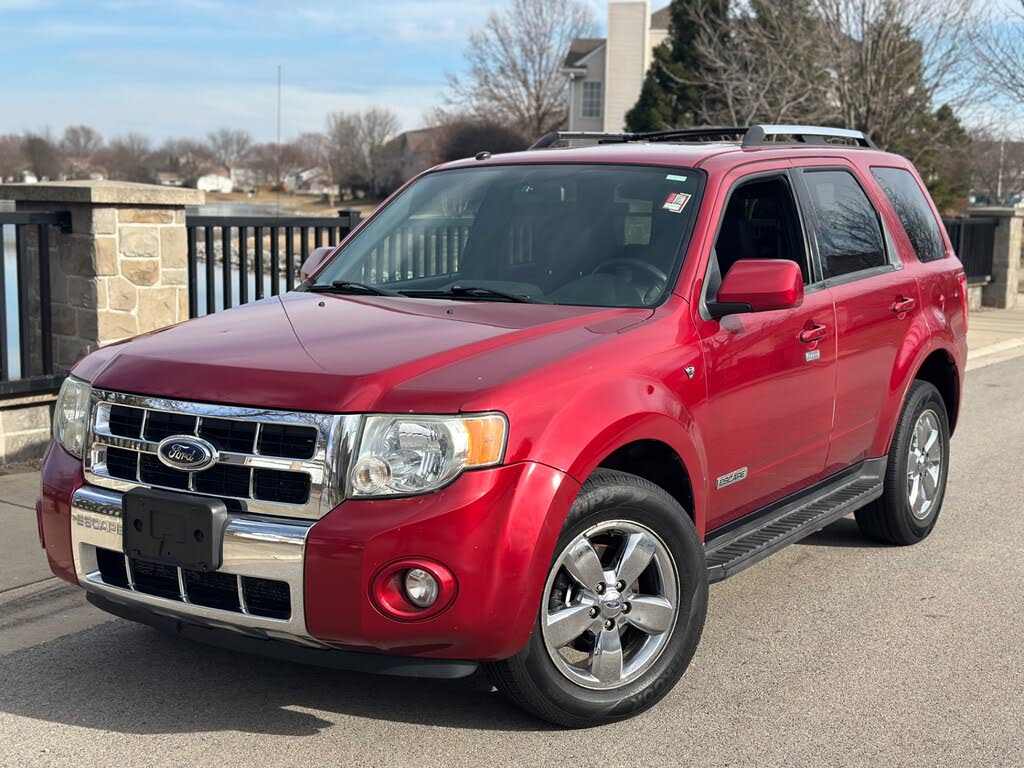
[(834, 652)]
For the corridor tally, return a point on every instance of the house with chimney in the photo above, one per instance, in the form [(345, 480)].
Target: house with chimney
[(606, 74)]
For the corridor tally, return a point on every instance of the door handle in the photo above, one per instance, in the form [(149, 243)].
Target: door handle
[(901, 305), (817, 333)]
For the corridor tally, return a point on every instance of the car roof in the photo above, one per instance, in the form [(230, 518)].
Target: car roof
[(671, 154)]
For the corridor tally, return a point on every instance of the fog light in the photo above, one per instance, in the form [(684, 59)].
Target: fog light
[(420, 588)]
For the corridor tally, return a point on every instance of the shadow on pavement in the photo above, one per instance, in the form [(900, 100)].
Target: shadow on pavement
[(131, 679), (842, 533)]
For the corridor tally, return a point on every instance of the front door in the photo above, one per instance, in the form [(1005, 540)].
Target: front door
[(770, 375)]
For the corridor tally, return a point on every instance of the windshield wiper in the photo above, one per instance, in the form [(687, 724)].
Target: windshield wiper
[(474, 291), (349, 286)]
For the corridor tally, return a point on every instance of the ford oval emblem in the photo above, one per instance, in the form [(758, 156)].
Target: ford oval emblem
[(187, 453)]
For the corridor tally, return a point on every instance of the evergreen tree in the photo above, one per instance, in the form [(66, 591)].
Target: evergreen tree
[(670, 97)]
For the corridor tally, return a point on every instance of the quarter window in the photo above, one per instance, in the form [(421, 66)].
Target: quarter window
[(591, 98), (848, 232), (913, 210)]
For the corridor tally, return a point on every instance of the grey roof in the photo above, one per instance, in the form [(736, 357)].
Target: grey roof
[(660, 19), (580, 47)]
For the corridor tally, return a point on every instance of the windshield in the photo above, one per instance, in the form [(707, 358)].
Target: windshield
[(592, 235)]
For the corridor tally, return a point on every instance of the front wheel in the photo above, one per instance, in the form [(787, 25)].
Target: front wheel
[(622, 609)]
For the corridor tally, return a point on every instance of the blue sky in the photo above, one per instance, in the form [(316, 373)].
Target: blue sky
[(185, 67)]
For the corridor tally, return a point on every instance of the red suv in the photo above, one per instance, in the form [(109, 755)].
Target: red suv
[(527, 412)]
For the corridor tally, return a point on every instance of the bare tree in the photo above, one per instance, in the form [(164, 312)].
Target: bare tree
[(42, 155), (229, 146), (892, 60), (997, 168), (128, 158), (12, 161), (515, 65), (80, 141), (353, 145), (186, 157), (767, 65), (1001, 51)]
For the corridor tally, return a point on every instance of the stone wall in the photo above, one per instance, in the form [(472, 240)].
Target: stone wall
[(120, 271)]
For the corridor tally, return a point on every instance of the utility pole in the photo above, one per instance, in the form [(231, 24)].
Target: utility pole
[(277, 147), (999, 176)]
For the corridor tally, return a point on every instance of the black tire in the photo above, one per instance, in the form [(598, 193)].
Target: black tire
[(532, 681), (890, 519)]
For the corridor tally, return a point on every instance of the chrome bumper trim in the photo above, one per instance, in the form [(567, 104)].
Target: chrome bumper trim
[(255, 547)]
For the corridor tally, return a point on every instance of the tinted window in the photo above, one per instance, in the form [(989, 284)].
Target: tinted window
[(913, 210), (760, 222), (598, 235), (846, 224)]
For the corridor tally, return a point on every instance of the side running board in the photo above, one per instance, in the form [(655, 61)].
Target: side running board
[(760, 534)]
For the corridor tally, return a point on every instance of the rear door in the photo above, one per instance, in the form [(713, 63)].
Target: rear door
[(875, 300), (770, 375)]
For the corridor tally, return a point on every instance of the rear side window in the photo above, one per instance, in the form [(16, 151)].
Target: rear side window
[(845, 223), (913, 210)]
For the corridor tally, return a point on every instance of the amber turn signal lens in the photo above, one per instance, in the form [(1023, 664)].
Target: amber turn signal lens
[(486, 439)]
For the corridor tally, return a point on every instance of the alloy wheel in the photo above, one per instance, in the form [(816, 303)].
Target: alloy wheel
[(924, 465), (611, 602)]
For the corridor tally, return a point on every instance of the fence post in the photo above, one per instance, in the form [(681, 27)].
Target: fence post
[(120, 271), (1003, 290)]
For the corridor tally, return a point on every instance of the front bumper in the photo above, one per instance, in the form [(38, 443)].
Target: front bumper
[(253, 547), (494, 529)]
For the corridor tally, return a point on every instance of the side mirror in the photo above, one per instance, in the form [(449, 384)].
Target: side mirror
[(759, 285), (314, 260)]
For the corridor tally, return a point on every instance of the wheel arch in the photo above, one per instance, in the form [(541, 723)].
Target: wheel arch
[(940, 369), (657, 448)]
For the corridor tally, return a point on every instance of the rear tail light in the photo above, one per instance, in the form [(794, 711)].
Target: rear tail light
[(962, 277)]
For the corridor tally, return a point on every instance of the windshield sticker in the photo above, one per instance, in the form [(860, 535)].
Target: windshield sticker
[(676, 202), (673, 177)]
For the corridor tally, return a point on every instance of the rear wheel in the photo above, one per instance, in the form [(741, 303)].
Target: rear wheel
[(915, 476), (622, 610)]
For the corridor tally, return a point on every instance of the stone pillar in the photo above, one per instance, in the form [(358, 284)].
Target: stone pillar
[(1002, 291), (121, 270)]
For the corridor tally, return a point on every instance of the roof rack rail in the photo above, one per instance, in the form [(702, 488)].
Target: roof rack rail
[(700, 134), (753, 136), (757, 135)]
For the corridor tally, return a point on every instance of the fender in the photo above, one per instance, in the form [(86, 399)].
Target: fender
[(908, 364), (631, 409)]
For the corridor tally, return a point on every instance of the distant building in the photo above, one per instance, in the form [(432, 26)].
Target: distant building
[(410, 153), (606, 74), (169, 179), (216, 181), (310, 181)]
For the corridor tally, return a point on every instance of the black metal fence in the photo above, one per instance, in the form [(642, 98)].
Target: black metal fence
[(245, 258), (973, 240), (26, 310)]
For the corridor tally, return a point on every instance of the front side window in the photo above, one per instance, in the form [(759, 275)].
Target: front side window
[(591, 98), (759, 222), (845, 222), (598, 235), (913, 210)]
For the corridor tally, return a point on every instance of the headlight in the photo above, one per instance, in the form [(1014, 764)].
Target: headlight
[(404, 455), (71, 415)]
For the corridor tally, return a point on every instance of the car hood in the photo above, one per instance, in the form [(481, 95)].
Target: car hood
[(317, 352)]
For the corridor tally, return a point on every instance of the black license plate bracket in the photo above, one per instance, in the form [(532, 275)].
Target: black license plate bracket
[(174, 529)]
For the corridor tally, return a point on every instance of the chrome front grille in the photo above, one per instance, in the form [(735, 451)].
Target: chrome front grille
[(281, 463)]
